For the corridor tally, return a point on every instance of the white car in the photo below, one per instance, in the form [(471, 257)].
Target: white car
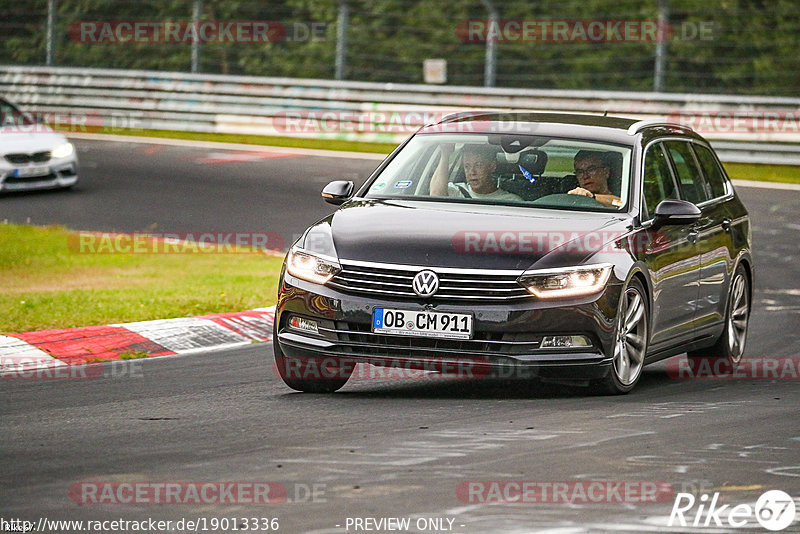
[(32, 155)]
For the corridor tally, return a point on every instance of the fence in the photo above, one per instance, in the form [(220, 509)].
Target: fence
[(742, 47), (742, 128)]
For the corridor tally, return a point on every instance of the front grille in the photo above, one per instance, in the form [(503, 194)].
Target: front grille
[(461, 285), (357, 338), (20, 159), (28, 179)]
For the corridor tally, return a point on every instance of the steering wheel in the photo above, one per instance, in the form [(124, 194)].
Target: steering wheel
[(567, 200)]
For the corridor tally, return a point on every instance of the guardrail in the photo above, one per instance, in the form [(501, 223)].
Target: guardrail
[(742, 128)]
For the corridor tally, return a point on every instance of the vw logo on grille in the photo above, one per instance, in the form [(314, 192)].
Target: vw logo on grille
[(425, 283)]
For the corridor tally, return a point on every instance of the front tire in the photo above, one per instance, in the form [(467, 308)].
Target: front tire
[(724, 356), (311, 374), (630, 341)]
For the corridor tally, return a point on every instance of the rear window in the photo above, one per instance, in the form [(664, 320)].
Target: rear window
[(711, 170), (688, 173)]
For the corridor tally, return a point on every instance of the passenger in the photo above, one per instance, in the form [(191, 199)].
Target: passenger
[(593, 169), (479, 161)]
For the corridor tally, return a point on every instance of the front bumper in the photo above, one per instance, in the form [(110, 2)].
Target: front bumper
[(62, 174), (506, 341)]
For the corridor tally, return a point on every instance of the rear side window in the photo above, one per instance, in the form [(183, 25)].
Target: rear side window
[(658, 182), (688, 173), (7, 113), (714, 175)]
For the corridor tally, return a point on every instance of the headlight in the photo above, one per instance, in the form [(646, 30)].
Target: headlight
[(566, 282), (62, 150), (311, 268)]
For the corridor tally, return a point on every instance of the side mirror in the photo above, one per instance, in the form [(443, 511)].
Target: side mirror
[(337, 192), (672, 212)]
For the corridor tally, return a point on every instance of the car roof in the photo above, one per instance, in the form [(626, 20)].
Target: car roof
[(598, 127)]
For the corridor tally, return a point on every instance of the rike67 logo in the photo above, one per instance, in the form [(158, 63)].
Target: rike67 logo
[(774, 510)]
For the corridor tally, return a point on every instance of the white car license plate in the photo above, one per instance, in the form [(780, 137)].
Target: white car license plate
[(28, 172), (422, 323)]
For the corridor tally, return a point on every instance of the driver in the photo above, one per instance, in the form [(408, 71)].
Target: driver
[(592, 169), (479, 161)]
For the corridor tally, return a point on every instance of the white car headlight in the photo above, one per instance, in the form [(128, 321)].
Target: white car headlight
[(63, 150), (566, 282), (310, 267)]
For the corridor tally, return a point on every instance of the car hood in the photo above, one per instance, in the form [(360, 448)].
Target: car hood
[(12, 142), (460, 235)]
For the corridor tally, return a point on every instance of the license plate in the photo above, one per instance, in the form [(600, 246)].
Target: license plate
[(28, 172), (422, 323)]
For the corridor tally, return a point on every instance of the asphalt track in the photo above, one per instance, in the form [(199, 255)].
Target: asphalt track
[(381, 448), (143, 187)]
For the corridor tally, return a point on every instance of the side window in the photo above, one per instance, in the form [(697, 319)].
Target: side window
[(711, 169), (688, 173), (658, 182), (7, 113)]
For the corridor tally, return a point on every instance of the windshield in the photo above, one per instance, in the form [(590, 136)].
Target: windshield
[(508, 169), (11, 116)]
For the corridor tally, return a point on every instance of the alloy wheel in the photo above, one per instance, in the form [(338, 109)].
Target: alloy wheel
[(737, 317), (631, 340)]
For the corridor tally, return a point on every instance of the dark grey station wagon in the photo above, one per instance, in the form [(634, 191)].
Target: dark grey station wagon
[(549, 245)]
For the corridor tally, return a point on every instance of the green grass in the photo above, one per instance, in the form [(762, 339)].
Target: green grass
[(266, 140), (50, 284), (789, 174), (133, 355)]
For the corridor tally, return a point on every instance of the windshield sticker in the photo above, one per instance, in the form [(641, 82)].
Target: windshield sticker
[(402, 184)]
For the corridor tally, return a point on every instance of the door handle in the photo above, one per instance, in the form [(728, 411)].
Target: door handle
[(726, 224), (693, 235)]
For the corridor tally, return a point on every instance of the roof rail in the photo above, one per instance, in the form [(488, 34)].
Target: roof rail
[(636, 127), (451, 117)]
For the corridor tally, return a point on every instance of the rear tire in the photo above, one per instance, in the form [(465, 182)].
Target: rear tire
[(630, 341), (724, 356), (312, 374)]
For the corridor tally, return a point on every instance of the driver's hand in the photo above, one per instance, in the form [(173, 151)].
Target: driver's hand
[(581, 191), (447, 148)]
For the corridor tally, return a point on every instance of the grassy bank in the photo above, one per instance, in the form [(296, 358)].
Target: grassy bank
[(789, 174), (263, 140), (49, 283)]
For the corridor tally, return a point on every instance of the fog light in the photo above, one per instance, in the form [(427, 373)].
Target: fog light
[(307, 325), (557, 342)]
